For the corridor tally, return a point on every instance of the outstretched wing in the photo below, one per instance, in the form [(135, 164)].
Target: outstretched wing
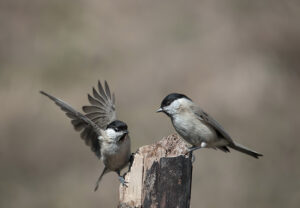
[(102, 110), (81, 122), (212, 122)]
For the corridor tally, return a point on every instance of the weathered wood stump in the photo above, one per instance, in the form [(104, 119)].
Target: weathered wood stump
[(160, 176)]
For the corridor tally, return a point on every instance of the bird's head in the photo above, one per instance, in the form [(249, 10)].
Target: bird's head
[(174, 103), (117, 130)]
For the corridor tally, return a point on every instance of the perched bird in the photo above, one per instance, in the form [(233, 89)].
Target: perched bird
[(197, 127), (107, 137)]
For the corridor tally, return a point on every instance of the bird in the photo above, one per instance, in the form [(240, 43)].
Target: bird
[(107, 137), (197, 127)]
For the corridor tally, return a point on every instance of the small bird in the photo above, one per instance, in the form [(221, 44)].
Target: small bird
[(197, 127), (107, 137)]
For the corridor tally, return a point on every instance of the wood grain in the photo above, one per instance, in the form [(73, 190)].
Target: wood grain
[(160, 176)]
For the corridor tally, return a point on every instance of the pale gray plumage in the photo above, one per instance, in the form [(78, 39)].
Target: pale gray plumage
[(222, 133), (100, 129), (198, 127)]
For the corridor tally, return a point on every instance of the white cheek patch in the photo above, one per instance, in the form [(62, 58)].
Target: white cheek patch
[(111, 133), (174, 107), (168, 109)]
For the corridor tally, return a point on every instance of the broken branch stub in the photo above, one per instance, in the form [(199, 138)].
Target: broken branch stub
[(160, 176)]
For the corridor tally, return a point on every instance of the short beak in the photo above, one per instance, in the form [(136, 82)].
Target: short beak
[(126, 132), (159, 110)]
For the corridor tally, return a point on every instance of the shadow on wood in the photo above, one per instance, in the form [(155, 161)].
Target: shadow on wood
[(160, 176)]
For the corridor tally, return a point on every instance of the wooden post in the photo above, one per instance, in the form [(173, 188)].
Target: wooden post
[(160, 176)]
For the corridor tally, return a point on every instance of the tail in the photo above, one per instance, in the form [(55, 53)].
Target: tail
[(245, 150), (105, 170)]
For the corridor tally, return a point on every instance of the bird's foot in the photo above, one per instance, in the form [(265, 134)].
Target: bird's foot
[(122, 181), (193, 148)]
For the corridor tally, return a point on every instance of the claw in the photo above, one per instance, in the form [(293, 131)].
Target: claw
[(122, 181), (190, 154), (191, 149)]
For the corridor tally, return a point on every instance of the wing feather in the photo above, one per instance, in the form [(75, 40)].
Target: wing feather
[(107, 91), (98, 97), (94, 101), (93, 109), (102, 109), (94, 115), (101, 90), (212, 122), (81, 122)]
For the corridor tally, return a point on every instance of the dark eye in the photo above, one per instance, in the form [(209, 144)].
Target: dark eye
[(116, 129)]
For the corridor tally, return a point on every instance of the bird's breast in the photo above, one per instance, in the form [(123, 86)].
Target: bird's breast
[(193, 130), (115, 156)]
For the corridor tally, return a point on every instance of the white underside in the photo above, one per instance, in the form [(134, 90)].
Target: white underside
[(196, 132)]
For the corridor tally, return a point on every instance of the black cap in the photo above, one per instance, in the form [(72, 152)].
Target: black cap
[(171, 97), (117, 125)]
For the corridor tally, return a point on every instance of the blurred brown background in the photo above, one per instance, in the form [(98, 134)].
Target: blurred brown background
[(238, 59)]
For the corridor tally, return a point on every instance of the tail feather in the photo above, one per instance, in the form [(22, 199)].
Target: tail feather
[(245, 150), (105, 170)]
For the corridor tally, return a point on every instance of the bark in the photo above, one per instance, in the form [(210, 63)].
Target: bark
[(160, 176)]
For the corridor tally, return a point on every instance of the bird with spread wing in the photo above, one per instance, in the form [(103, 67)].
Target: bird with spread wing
[(106, 136)]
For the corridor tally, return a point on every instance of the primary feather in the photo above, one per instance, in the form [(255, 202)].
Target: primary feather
[(212, 122), (102, 109), (90, 132)]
